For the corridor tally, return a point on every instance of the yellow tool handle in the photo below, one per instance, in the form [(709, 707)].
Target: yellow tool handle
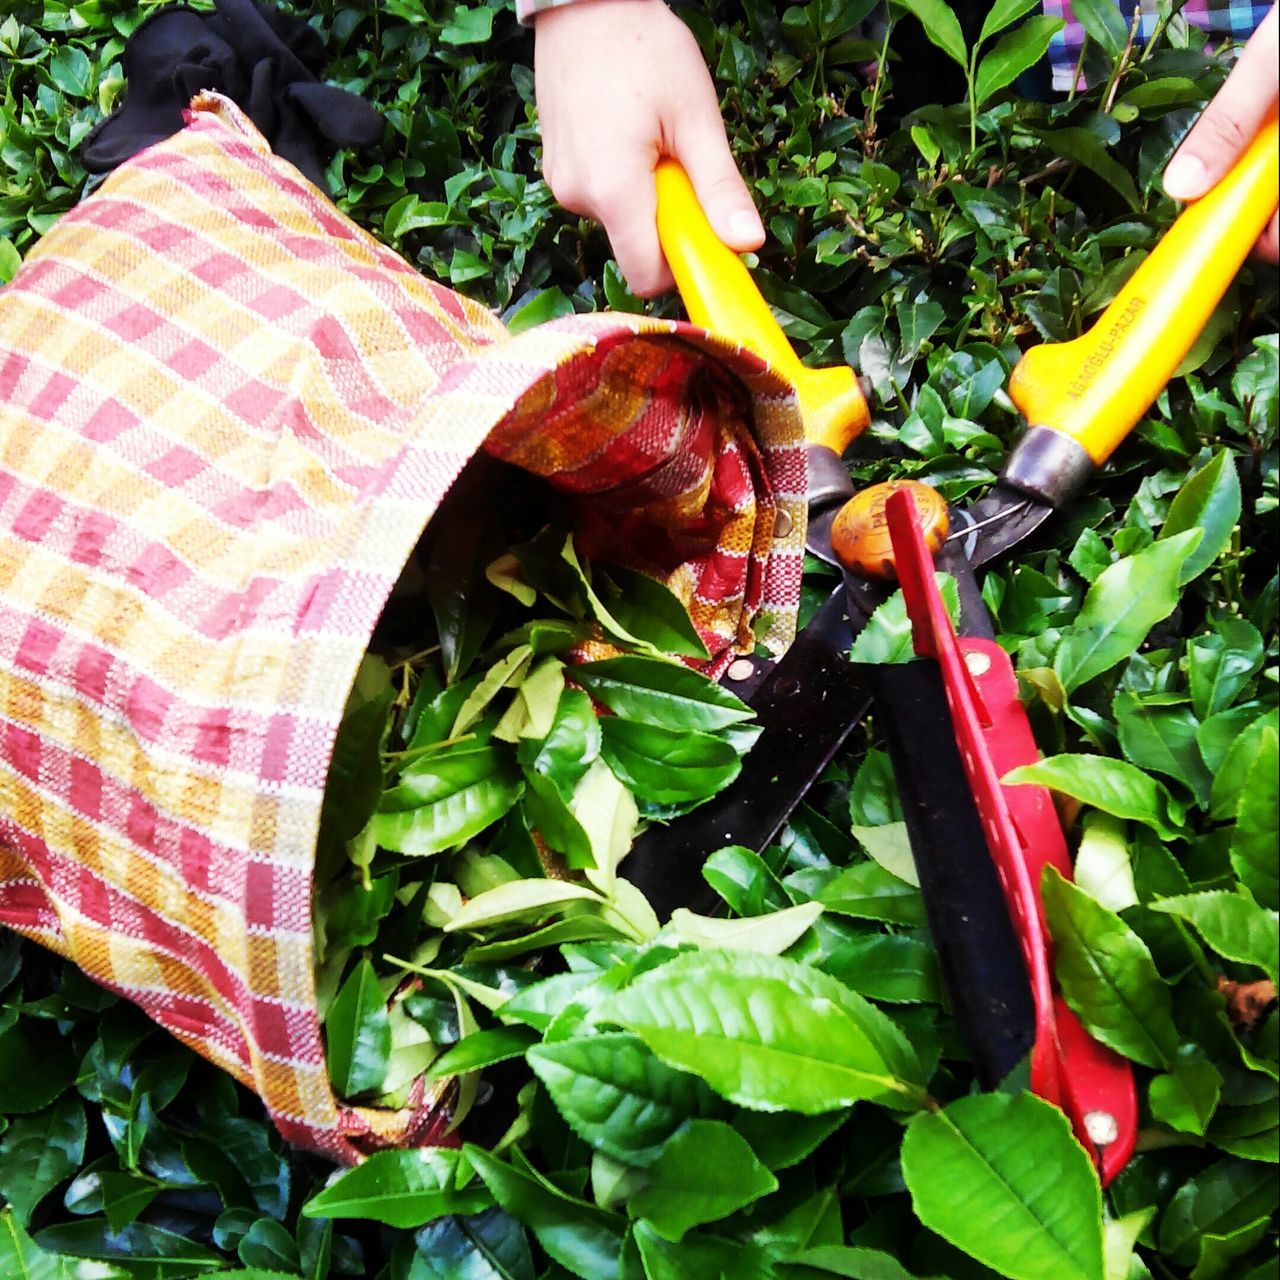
[(720, 295), (1095, 388)]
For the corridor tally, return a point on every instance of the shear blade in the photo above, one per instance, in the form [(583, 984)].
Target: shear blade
[(806, 707), (996, 523)]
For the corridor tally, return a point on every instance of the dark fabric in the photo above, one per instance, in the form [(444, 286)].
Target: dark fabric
[(266, 61)]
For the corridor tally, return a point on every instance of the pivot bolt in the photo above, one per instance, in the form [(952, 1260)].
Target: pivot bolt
[(860, 531)]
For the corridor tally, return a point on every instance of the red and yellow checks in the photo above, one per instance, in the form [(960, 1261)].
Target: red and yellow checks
[(226, 415)]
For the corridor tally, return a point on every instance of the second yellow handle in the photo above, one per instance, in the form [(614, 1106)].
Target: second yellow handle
[(719, 295), (1095, 388)]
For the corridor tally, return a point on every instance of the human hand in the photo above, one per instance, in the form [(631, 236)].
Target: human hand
[(1229, 123), (621, 84)]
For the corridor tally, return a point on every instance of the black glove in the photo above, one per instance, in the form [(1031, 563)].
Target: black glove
[(265, 61)]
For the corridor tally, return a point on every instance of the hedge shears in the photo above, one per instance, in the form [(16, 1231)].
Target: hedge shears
[(953, 720)]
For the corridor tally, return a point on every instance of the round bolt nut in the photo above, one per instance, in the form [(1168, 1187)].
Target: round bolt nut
[(1102, 1128), (979, 663), (740, 669), (860, 531)]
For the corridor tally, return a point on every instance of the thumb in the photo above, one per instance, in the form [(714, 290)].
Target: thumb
[(703, 150), (1231, 121)]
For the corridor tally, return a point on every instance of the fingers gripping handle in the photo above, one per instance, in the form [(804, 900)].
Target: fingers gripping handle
[(1094, 389), (720, 295)]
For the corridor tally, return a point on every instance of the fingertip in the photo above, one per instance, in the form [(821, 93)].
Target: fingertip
[(646, 279), (745, 229), (1186, 177)]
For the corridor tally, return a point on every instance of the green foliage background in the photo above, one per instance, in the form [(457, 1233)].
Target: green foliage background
[(926, 250)]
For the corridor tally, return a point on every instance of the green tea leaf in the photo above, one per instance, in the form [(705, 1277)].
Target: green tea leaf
[(892, 967), (124, 1197), (520, 900), (854, 1262), (1012, 1160), (1219, 1249), (653, 692), (1121, 607), (1256, 838), (358, 1033), (607, 813), (941, 26), (1250, 1132), (890, 846), (768, 1033), (1222, 663), (650, 611), (1084, 147), (1114, 786), (617, 1096), (1003, 13), (1119, 1236), (1014, 52), (23, 1259), (577, 1235), (704, 1172), (700, 1257), (268, 1248), (865, 891), (400, 1188), (769, 934), (483, 1049), (164, 1253), (743, 879), (1238, 764), (532, 710), (571, 744), (39, 1152), (10, 260), (444, 800), (1103, 868), (541, 307), (1225, 1197), (468, 26), (1102, 23), (1108, 976), (887, 636), (1186, 1097), (782, 1139), (1161, 736), (1233, 925), (487, 1246), (548, 813), (354, 781), (667, 766), (1208, 501), (506, 673), (35, 1067), (918, 321), (70, 70)]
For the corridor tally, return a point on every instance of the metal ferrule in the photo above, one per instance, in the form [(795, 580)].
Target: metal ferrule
[(1048, 465), (828, 476)]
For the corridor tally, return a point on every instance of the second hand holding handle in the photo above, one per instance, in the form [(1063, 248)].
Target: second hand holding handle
[(719, 295), (1081, 398)]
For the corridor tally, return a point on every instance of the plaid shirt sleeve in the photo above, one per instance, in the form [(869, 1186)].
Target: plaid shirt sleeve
[(527, 10), (1223, 18)]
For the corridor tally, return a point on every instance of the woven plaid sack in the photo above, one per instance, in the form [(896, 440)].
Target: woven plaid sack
[(226, 415)]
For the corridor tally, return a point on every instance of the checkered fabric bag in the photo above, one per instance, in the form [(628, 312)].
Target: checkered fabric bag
[(226, 415)]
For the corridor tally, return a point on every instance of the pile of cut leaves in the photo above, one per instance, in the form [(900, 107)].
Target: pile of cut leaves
[(779, 1092), (479, 802)]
